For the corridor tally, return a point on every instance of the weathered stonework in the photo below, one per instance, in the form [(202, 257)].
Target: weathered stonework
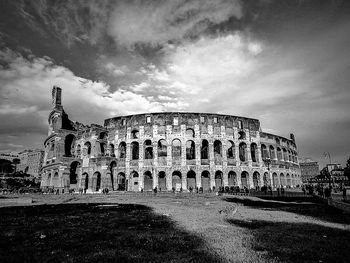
[(165, 150)]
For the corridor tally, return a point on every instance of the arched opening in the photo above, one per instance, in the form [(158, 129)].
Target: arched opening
[(122, 150), (176, 148), (205, 179), (264, 152), (176, 180), (253, 152), (279, 154), (87, 148), (147, 181), (275, 179), (162, 148), (204, 150), (134, 181), (289, 181), (244, 179), (69, 145), (190, 150), (232, 178), (191, 179), (162, 180), (217, 148), (102, 148), (86, 180), (242, 151), (266, 179), (190, 133), (48, 182), (96, 181), (73, 172), (148, 149), (134, 150), (103, 136), (282, 179), (230, 150), (289, 156), (121, 182), (55, 180), (111, 150), (218, 179), (277, 141), (111, 170), (256, 179), (135, 134), (272, 152), (78, 151), (241, 135)]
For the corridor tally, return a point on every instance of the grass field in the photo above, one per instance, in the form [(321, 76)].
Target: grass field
[(172, 228)]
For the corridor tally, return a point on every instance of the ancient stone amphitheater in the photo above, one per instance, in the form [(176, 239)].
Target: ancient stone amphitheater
[(167, 150)]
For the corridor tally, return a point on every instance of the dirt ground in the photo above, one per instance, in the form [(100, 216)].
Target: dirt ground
[(207, 228)]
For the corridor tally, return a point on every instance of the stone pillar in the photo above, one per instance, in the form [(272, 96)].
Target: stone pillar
[(239, 179), (250, 180), (184, 180)]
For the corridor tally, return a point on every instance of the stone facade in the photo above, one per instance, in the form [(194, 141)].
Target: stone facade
[(309, 169), (31, 162), (165, 150)]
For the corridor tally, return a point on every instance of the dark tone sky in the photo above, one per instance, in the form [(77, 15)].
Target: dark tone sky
[(286, 63)]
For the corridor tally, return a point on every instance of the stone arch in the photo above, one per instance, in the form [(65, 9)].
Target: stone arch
[(135, 134), (232, 178), (243, 151), (245, 179), (279, 154), (121, 181), (254, 152), (282, 179), (176, 148), (162, 180), (190, 133), (148, 149), (272, 152), (241, 135), (176, 180), (102, 148), (111, 150), (162, 148), (73, 176), (111, 167), (86, 180), (218, 179), (217, 148), (147, 181), (135, 148), (134, 177), (205, 150), (205, 180), (191, 179), (266, 179), (275, 179), (96, 181), (256, 179), (87, 148), (230, 150), (289, 183), (48, 182), (122, 150), (69, 145), (264, 152), (190, 150), (285, 155)]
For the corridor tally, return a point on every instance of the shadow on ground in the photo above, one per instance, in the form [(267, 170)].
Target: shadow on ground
[(95, 233), (296, 242), (318, 211)]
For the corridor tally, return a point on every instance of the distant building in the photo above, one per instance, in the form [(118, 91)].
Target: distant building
[(309, 169), (8, 156), (31, 162)]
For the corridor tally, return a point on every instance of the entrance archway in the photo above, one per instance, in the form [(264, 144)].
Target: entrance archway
[(218, 179), (256, 178), (191, 179), (147, 181), (205, 179), (232, 177), (86, 183), (162, 181), (121, 182), (176, 180), (73, 173), (244, 179), (96, 181), (134, 181)]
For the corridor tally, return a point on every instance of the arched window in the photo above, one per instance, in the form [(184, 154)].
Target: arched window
[(122, 150), (289, 156), (73, 172), (190, 133), (162, 148), (134, 150), (135, 134), (241, 135), (176, 148), (87, 147), (204, 150), (264, 152), (230, 150), (244, 179), (242, 151), (103, 136), (111, 150), (272, 152), (148, 149), (285, 155), (232, 178), (217, 148), (253, 151), (69, 145), (256, 179), (190, 150), (279, 154), (102, 148)]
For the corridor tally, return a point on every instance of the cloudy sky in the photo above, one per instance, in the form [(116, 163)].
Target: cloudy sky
[(286, 63)]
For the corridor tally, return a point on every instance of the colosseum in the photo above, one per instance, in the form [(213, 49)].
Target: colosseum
[(169, 151)]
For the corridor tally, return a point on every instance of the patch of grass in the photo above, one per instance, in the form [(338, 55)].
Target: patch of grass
[(297, 242), (95, 233)]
